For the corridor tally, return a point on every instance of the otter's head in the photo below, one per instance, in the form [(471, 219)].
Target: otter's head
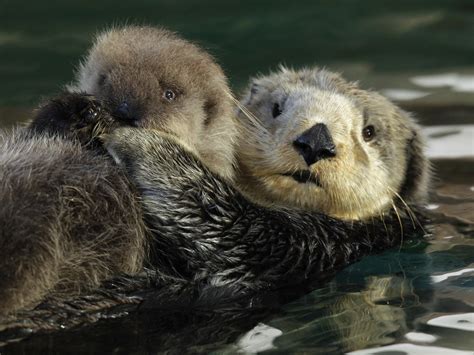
[(151, 78), (318, 142)]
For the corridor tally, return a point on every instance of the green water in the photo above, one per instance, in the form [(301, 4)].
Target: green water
[(370, 40), (380, 301)]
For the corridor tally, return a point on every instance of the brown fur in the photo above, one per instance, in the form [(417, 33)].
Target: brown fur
[(69, 217), (138, 64), (364, 178)]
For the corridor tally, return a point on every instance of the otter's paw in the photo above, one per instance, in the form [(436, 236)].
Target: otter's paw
[(149, 154), (72, 115), (121, 144), (87, 110)]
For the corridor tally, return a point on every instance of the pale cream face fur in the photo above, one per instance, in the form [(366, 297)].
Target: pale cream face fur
[(362, 180), (139, 65)]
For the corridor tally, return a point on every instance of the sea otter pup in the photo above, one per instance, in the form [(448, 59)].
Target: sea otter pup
[(318, 142), (151, 78), (69, 218)]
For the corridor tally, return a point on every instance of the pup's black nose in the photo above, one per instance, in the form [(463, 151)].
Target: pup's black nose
[(123, 110), (315, 144)]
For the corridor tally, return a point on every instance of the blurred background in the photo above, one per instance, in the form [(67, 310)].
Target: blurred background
[(420, 53)]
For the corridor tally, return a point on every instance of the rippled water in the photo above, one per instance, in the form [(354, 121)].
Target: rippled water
[(418, 299)]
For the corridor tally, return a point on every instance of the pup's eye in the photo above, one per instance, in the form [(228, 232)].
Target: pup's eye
[(276, 111), (169, 95), (368, 133)]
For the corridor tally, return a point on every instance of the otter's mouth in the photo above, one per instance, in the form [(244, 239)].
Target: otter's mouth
[(303, 177)]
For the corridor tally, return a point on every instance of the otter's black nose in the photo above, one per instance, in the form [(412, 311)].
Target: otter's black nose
[(315, 144), (123, 111)]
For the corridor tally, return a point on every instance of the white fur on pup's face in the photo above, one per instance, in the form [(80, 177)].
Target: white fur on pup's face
[(362, 180)]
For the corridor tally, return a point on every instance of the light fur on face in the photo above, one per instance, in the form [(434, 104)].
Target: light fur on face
[(138, 65), (362, 180)]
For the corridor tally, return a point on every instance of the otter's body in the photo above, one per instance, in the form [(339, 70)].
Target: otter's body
[(69, 219), (226, 240), (210, 243), (197, 229)]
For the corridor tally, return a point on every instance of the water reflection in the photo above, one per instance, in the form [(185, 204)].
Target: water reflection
[(366, 305), (450, 141), (258, 339)]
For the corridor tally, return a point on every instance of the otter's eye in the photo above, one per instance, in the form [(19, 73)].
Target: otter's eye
[(368, 133), (169, 95), (276, 111)]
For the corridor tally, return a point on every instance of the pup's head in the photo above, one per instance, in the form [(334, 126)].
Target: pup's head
[(321, 143), (151, 78)]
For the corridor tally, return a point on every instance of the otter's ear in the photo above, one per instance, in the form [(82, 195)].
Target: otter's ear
[(250, 95), (255, 88), (417, 178)]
